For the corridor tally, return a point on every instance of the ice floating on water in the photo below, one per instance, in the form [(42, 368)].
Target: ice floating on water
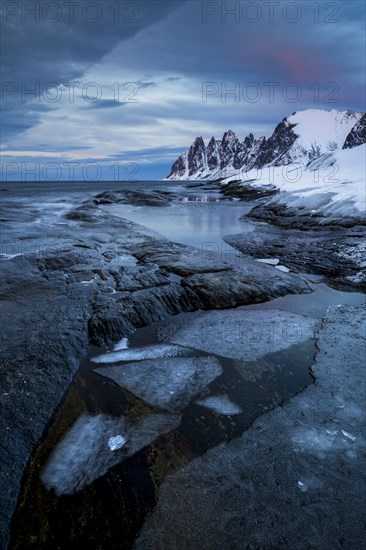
[(84, 453), (283, 268), (269, 261), (122, 344), (87, 282), (348, 435), (116, 442), (139, 354), (220, 404), (166, 383), (239, 334)]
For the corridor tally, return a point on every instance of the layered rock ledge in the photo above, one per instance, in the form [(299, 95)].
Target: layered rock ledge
[(92, 280)]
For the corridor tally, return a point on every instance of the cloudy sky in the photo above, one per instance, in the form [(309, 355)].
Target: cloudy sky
[(117, 89)]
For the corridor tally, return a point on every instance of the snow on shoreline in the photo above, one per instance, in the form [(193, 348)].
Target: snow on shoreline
[(310, 158), (332, 184)]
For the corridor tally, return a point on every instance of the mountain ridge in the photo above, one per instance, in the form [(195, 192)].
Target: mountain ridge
[(298, 138)]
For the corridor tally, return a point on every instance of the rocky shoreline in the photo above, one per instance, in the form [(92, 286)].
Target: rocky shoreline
[(92, 283), (294, 479), (94, 280), (335, 252), (302, 240)]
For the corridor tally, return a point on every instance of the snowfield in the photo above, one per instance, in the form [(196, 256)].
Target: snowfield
[(332, 184), (321, 130)]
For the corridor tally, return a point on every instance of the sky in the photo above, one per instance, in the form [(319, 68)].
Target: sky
[(116, 90)]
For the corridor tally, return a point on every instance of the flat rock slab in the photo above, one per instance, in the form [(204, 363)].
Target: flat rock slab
[(178, 258), (166, 383), (244, 285), (241, 334), (94, 444), (294, 479), (135, 198)]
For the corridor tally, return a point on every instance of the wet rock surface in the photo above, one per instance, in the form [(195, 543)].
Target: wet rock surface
[(244, 191), (295, 478), (135, 198), (219, 281), (282, 215), (117, 314), (43, 338), (122, 497), (92, 278), (336, 252)]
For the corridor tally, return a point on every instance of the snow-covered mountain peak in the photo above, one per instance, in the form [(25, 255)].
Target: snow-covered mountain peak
[(299, 138), (229, 136)]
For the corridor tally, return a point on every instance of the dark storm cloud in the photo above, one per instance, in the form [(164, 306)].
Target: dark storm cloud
[(46, 44), (171, 49), (39, 50), (327, 46), (16, 117)]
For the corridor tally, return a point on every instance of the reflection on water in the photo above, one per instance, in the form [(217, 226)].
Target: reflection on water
[(193, 223), (89, 448), (119, 490), (312, 305)]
